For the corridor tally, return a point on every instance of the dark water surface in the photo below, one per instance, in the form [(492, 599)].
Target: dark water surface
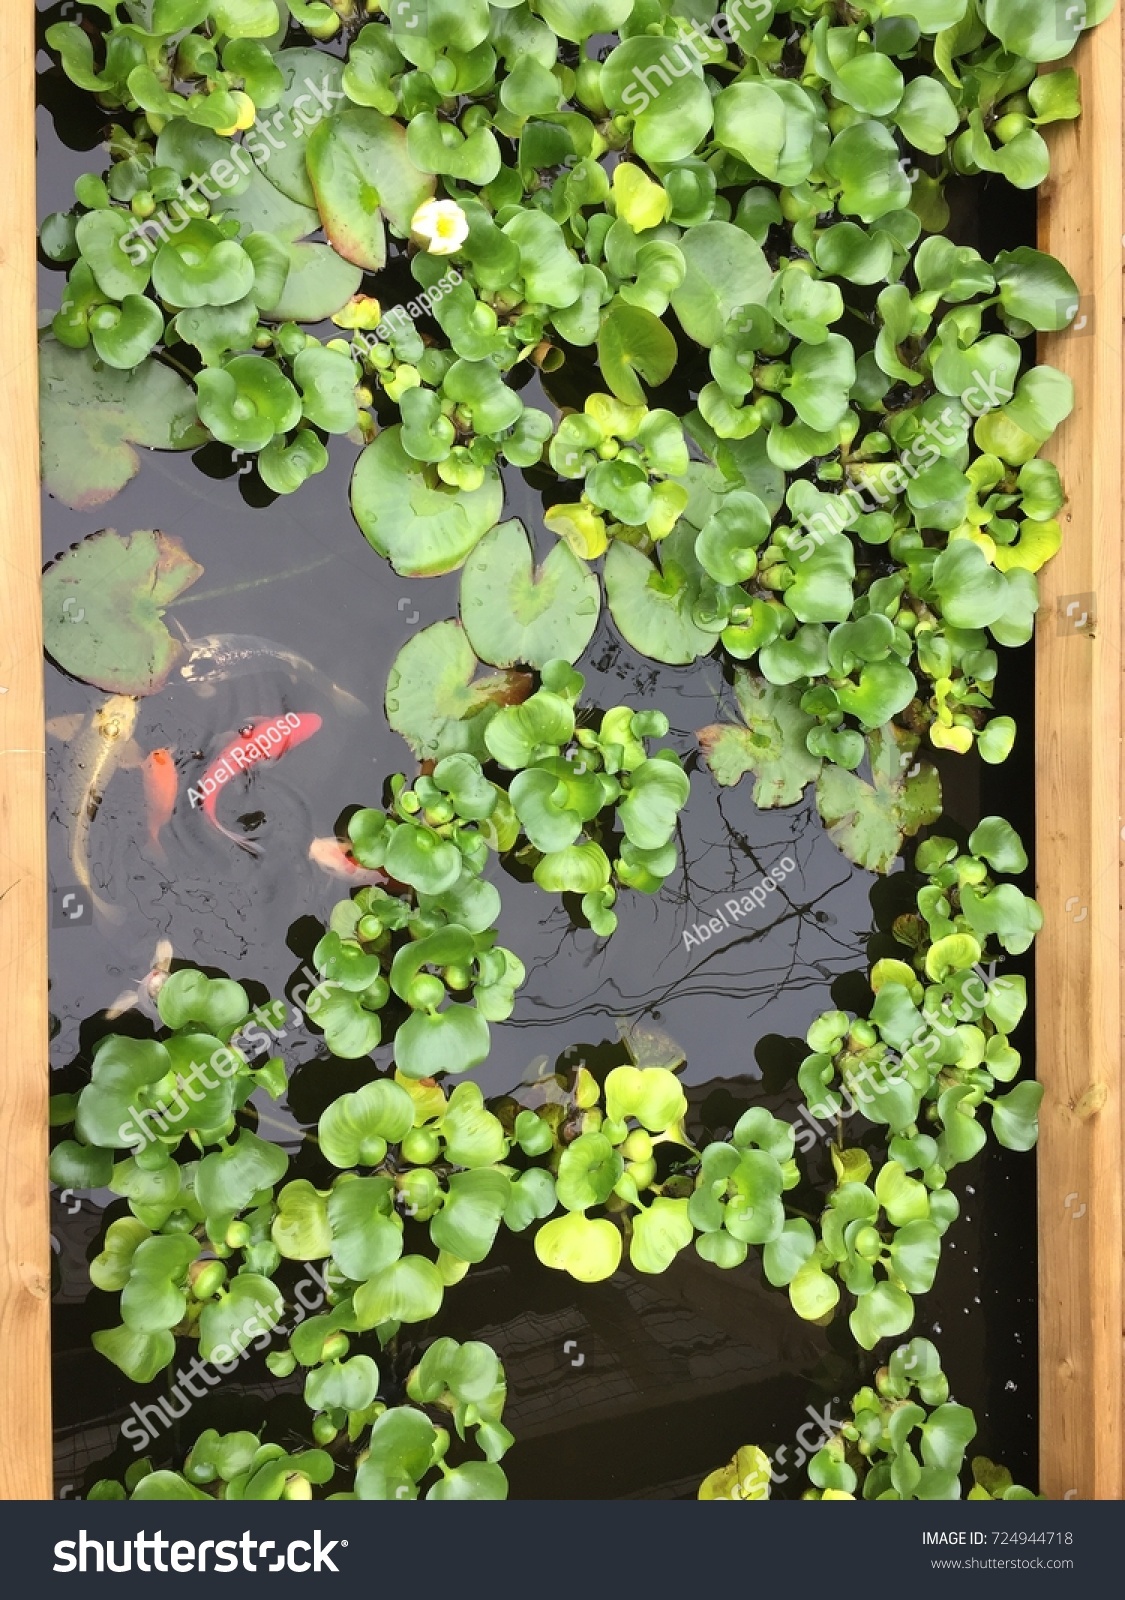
[(632, 1388)]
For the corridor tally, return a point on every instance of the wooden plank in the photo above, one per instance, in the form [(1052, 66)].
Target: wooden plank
[(25, 1277), (1080, 816)]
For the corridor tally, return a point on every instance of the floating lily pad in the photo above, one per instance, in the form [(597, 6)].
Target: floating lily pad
[(102, 607), (514, 611), (312, 91), (653, 606), (423, 526), (867, 821), (361, 171), (91, 417), (319, 283), (725, 270), (772, 744), (435, 701)]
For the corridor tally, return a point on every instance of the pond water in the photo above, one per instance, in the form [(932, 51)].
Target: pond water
[(635, 1387)]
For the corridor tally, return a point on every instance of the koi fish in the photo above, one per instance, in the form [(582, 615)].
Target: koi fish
[(265, 739), (220, 656), (334, 856), (103, 743), (161, 782), (144, 994)]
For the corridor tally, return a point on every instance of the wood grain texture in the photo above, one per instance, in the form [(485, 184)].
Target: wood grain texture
[(25, 1327), (1080, 815)]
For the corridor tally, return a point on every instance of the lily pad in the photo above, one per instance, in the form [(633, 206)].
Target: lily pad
[(867, 821), (361, 171), (423, 526), (319, 283), (725, 270), (91, 417), (514, 611), (772, 744), (435, 701), (102, 606), (651, 605)]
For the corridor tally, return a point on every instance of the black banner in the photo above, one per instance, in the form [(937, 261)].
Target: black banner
[(658, 1547)]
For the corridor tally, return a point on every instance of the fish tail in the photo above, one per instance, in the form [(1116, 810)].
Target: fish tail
[(108, 913), (243, 844)]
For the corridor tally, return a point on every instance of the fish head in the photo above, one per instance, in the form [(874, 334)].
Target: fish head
[(116, 719), (331, 856)]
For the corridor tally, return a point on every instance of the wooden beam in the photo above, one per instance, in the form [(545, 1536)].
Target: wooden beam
[(1080, 815), (25, 1276)]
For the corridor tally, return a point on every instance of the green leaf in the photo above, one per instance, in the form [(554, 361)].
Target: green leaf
[(436, 702), (1042, 32), (660, 1232), (671, 106), (318, 283), (103, 602), (588, 1170), (999, 844), (588, 1248), (92, 416), (215, 1004), (409, 1290), (356, 1129), (725, 270), (361, 170), (422, 525), (140, 1356), (467, 1224), (251, 1307), (454, 1040), (1015, 1116), (654, 607), (473, 1136), (882, 1313), (864, 161), (1036, 288), (301, 1229), (867, 821), (400, 1451), (773, 127), (516, 612), (812, 1292), (632, 340), (772, 745), (366, 1234), (349, 1385), (227, 1180)]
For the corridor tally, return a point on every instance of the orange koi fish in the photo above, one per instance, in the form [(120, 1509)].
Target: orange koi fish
[(162, 783)]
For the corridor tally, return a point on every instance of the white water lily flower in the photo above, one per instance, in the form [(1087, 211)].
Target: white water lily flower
[(440, 226)]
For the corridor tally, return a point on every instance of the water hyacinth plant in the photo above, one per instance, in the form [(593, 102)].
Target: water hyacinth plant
[(685, 274)]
